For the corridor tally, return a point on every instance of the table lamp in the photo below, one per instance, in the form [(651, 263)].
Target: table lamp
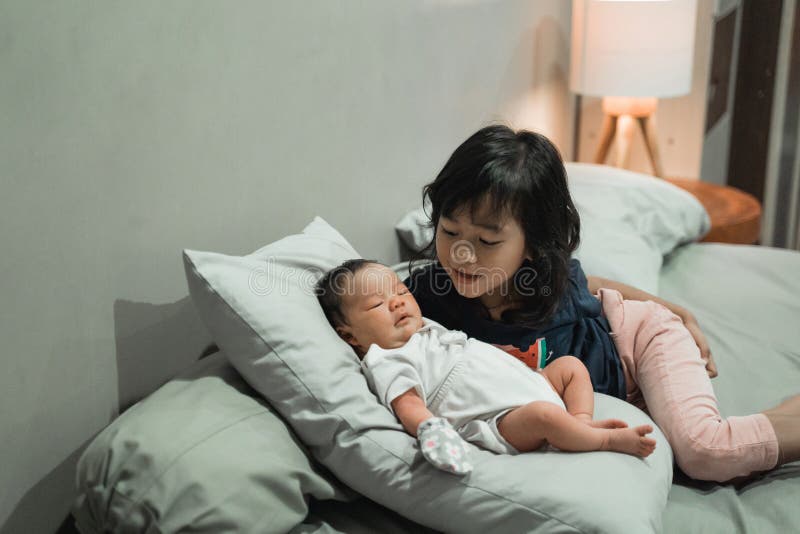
[(631, 53)]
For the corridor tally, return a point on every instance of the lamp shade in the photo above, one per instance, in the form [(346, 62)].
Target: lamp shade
[(632, 48)]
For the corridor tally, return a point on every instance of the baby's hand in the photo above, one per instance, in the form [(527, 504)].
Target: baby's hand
[(443, 447)]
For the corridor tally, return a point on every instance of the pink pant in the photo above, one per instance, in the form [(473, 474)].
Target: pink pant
[(666, 376)]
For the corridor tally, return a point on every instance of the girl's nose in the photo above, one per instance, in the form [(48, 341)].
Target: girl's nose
[(463, 252), (467, 258)]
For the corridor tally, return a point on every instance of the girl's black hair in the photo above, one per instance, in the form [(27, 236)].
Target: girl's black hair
[(520, 174), (333, 285)]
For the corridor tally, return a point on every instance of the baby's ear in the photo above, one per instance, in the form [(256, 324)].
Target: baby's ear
[(345, 333)]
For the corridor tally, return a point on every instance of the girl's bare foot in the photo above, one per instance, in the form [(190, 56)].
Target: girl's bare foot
[(785, 420), (608, 423), (631, 440)]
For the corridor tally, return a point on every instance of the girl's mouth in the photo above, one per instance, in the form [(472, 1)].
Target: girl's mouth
[(464, 277)]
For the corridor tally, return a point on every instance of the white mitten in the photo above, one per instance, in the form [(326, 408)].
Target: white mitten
[(443, 447)]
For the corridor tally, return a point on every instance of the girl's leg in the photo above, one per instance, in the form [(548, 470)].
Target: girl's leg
[(661, 358), (570, 378), (528, 427)]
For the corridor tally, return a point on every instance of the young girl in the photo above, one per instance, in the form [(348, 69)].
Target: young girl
[(505, 228)]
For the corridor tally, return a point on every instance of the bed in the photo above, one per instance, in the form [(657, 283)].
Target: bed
[(745, 297), (149, 471)]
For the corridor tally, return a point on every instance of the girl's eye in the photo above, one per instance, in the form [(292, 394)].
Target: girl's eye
[(489, 243), (448, 232)]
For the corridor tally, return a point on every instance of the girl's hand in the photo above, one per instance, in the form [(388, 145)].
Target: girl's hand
[(700, 340)]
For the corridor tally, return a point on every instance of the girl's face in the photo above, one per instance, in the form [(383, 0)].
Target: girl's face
[(480, 252)]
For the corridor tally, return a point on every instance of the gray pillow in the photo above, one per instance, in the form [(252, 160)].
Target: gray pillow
[(262, 311), (201, 455)]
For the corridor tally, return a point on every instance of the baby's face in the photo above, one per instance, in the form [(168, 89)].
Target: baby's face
[(379, 309)]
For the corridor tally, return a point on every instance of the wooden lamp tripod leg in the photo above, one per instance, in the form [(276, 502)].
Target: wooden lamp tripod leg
[(606, 136), (648, 127), (621, 115), (624, 140)]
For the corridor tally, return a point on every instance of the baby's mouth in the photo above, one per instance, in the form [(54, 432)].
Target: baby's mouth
[(402, 318)]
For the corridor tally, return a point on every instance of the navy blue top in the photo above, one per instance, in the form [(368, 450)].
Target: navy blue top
[(577, 328)]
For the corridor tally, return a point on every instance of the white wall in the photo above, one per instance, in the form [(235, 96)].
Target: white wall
[(131, 130)]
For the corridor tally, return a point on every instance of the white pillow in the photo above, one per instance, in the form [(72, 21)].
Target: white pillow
[(261, 311), (629, 221)]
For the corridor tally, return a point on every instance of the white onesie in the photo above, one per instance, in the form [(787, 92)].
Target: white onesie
[(468, 382)]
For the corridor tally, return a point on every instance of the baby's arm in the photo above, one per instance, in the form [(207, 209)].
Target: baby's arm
[(411, 410), (439, 443)]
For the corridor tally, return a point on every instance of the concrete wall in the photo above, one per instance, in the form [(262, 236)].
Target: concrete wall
[(132, 130)]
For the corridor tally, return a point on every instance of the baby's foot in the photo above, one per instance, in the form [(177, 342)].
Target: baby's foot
[(608, 423), (631, 440), (583, 417)]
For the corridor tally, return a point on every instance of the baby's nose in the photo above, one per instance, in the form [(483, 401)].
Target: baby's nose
[(395, 303)]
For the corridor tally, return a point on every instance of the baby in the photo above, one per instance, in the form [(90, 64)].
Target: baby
[(446, 388)]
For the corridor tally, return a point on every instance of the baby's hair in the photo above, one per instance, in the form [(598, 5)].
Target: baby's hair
[(521, 175), (333, 284)]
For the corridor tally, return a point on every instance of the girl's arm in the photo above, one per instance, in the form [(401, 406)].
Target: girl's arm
[(411, 410), (688, 318)]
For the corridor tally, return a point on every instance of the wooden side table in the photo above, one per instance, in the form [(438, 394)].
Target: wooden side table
[(735, 215)]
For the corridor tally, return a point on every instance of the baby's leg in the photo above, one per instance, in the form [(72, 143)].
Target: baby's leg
[(571, 380), (528, 427)]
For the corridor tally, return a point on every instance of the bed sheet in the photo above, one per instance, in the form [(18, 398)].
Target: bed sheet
[(747, 301)]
